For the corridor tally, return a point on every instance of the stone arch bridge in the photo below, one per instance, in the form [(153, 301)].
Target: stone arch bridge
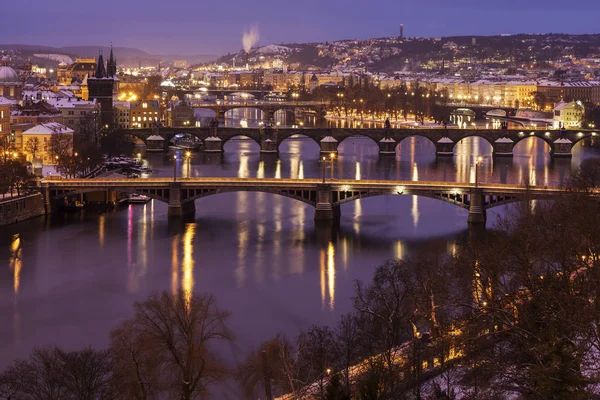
[(325, 196), (267, 107), (560, 142)]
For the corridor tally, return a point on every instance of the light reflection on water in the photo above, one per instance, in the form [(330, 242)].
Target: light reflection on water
[(261, 254)]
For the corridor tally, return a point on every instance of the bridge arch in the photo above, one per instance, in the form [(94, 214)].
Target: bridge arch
[(581, 137), (462, 200), (417, 137), (249, 113), (229, 138), (298, 135), (307, 196), (156, 194), (496, 112), (488, 145), (528, 138), (355, 136)]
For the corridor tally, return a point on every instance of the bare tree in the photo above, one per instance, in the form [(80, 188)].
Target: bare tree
[(60, 145), (14, 380), (32, 146), (388, 310), (45, 375), (181, 329), (86, 374), (318, 356), (347, 335), (136, 367)]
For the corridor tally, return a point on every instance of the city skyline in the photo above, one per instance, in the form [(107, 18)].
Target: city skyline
[(206, 29)]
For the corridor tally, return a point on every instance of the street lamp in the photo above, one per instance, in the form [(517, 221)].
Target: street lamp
[(332, 157), (175, 168), (477, 162)]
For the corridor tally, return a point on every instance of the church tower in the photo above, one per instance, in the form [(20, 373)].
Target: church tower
[(111, 71), (100, 86)]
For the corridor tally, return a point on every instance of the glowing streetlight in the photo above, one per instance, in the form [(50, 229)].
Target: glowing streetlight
[(331, 158), (175, 168), (477, 162)]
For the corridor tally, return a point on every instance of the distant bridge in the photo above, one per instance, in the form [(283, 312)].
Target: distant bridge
[(268, 107), (325, 196), (560, 142)]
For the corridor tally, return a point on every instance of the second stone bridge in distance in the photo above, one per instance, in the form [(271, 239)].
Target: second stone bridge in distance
[(560, 142)]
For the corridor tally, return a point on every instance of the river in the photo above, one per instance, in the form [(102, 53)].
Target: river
[(69, 279)]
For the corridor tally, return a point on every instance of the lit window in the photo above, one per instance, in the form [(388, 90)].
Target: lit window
[(145, 105)]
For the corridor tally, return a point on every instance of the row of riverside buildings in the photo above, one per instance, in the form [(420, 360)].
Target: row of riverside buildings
[(86, 92), (507, 91)]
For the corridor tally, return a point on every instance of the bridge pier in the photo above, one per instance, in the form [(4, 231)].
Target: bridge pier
[(47, 199), (325, 209), (444, 147), (268, 140), (476, 210), (177, 209), (503, 147), (387, 146), (270, 115), (562, 148), (213, 144), (329, 145), (221, 116)]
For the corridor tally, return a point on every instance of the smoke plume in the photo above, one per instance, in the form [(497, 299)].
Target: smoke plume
[(250, 38)]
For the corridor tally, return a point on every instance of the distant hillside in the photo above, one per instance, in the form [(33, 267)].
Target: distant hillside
[(125, 55)]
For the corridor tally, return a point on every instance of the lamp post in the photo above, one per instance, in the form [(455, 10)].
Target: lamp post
[(332, 157), (323, 168), (477, 162), (175, 168)]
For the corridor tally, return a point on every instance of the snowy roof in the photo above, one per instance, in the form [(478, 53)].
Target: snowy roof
[(569, 84), (562, 140), (49, 128), (4, 101), (504, 140), (71, 103), (445, 139), (124, 104), (155, 138), (329, 139)]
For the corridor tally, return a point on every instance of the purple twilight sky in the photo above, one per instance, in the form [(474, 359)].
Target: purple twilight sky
[(216, 27)]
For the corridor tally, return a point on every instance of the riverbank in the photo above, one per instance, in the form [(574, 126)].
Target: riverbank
[(21, 208)]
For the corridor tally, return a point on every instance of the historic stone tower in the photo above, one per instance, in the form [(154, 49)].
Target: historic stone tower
[(101, 87)]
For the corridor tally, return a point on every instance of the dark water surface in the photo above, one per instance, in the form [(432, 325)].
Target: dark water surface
[(69, 279)]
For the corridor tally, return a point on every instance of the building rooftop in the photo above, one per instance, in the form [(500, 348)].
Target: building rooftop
[(50, 128)]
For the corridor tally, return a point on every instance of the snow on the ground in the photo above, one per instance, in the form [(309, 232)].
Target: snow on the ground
[(56, 57), (274, 49)]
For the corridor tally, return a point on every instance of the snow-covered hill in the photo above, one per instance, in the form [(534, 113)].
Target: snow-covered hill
[(56, 57), (274, 49)]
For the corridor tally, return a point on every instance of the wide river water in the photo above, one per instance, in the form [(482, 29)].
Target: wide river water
[(69, 279)]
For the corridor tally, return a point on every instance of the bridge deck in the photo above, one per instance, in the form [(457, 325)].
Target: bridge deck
[(348, 184)]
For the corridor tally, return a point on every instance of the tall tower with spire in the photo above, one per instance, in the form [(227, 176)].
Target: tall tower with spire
[(101, 86), (111, 72)]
